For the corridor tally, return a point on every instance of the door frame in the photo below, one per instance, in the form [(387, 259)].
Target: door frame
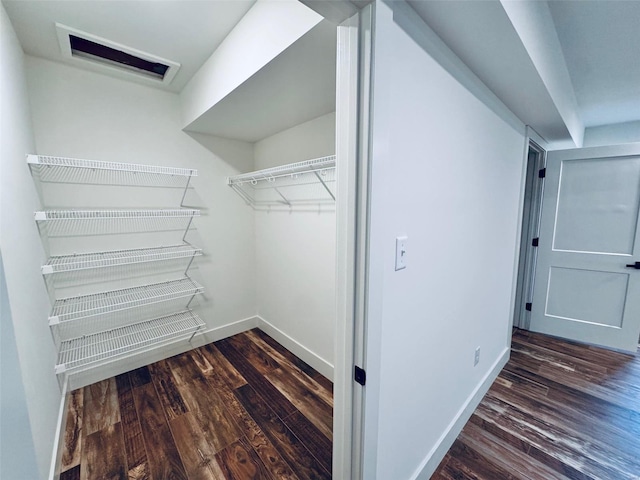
[(353, 86), (530, 229), (532, 189)]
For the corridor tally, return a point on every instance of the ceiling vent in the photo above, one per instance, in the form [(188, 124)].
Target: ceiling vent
[(84, 47)]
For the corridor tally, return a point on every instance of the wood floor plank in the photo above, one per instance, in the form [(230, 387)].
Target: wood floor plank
[(473, 464), (71, 474), (270, 457), (558, 409), (256, 333), (103, 455), (503, 456), (590, 354), (316, 442), (569, 448), (276, 400), (292, 450), (301, 375), (238, 461), (198, 456), (167, 390), (182, 418), (581, 381), (304, 399), (257, 357), (204, 403), (221, 365), (164, 460), (136, 454), (73, 431), (100, 402), (140, 377), (582, 407)]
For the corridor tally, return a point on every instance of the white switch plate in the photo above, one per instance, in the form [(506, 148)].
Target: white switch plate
[(401, 253)]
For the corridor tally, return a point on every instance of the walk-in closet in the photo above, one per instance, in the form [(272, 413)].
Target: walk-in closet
[(186, 243)]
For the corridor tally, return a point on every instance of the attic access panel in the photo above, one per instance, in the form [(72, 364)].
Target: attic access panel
[(84, 47)]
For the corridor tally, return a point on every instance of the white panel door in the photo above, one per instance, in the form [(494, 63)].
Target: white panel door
[(586, 286)]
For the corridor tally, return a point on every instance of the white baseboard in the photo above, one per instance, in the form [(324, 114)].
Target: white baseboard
[(225, 331), (435, 456), (58, 439), (299, 350)]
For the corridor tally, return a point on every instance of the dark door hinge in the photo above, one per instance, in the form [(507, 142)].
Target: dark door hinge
[(535, 242), (527, 307), (360, 375), (542, 173)]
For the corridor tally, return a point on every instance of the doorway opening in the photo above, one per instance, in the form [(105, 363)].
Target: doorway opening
[(534, 185)]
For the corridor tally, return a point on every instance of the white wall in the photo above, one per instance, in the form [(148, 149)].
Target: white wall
[(22, 255), (82, 114), (295, 252), (614, 134), (446, 172)]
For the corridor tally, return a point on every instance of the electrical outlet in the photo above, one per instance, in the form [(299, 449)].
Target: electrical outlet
[(476, 359)]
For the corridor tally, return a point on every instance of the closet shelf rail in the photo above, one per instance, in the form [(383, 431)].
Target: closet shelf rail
[(108, 345), (85, 306), (116, 258), (305, 182)]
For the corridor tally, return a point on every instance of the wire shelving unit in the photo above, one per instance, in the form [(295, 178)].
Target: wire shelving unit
[(97, 328), (88, 350), (117, 258), (303, 183)]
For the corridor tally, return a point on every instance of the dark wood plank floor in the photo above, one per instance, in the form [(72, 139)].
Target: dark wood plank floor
[(242, 408), (558, 410)]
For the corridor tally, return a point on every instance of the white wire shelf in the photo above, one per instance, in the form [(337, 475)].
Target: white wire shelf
[(306, 182), (85, 306), (100, 347), (61, 223), (76, 170), (116, 258), (74, 215)]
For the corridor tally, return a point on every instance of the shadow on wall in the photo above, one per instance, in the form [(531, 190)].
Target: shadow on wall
[(232, 152)]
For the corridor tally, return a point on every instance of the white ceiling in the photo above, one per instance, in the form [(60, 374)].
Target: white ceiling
[(601, 45), (187, 32), (600, 41)]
